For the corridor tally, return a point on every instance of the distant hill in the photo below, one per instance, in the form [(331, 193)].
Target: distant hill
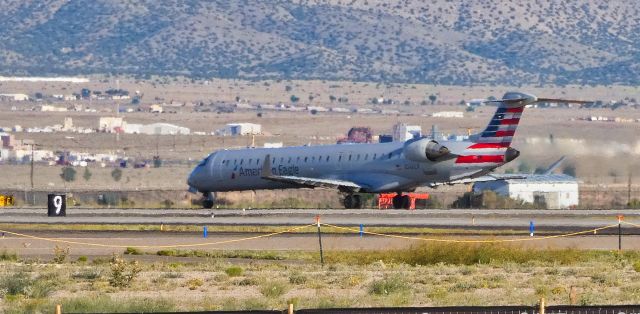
[(444, 42)]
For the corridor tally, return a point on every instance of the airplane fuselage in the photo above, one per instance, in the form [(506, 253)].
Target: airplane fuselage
[(380, 167)]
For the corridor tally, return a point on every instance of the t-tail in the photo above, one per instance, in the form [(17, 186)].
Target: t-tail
[(502, 127), (495, 141)]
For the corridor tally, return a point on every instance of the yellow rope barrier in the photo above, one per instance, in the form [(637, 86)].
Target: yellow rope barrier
[(155, 246), (630, 223), (474, 241)]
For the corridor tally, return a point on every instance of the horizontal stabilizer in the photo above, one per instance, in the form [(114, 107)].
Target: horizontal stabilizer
[(554, 165)]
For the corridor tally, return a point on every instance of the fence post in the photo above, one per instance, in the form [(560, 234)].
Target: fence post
[(290, 310), (541, 305), (620, 218), (58, 309), (320, 240)]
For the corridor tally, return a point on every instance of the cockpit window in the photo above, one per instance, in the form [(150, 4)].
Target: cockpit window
[(204, 161)]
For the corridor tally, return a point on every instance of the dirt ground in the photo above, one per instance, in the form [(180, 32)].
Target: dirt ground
[(603, 153)]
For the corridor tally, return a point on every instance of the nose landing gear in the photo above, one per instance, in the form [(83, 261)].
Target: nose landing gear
[(209, 198)]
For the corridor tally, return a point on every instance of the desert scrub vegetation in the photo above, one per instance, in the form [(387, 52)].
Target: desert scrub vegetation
[(234, 271), (485, 276), (123, 272), (471, 254)]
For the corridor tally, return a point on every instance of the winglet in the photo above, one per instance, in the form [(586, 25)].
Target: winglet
[(554, 165), (266, 167)]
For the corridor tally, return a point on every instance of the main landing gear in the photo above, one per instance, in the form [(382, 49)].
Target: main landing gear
[(208, 200), (352, 201), (401, 201)]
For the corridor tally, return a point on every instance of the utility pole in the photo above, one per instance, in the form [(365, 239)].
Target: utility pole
[(629, 190), (32, 168)]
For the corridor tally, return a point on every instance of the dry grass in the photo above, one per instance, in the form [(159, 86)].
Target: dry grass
[(562, 277)]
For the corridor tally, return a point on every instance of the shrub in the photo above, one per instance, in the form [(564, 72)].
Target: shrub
[(6, 256), (82, 259), (636, 266), (60, 254), (123, 272), (132, 251), (68, 174), (194, 283), (297, 278), (273, 289), (388, 285), (167, 253), (88, 274), (21, 283), (15, 284), (234, 271)]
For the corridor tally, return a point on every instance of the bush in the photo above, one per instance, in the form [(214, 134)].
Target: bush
[(132, 251), (388, 285), (194, 283), (82, 259), (273, 289), (60, 254), (21, 283), (6, 256), (123, 272), (68, 174), (636, 266), (463, 254), (116, 174), (234, 271), (297, 278), (167, 253), (88, 274)]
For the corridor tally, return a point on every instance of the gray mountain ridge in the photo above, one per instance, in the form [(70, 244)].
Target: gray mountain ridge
[(439, 42)]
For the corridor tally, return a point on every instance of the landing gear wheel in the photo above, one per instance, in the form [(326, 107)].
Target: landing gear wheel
[(406, 202), (397, 201), (352, 201), (401, 201), (208, 200)]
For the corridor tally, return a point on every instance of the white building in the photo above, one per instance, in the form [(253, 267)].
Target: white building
[(555, 190), (15, 97), (448, 114), (240, 129), (403, 132), (111, 124), (45, 108), (163, 129)]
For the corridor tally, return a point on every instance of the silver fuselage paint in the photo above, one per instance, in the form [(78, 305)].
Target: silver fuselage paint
[(379, 167)]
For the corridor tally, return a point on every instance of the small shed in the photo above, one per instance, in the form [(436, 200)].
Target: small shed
[(241, 129), (556, 191)]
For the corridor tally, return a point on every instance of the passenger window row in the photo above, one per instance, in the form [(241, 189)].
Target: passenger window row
[(306, 159)]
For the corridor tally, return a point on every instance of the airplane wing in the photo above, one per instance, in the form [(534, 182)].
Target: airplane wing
[(485, 178), (342, 185)]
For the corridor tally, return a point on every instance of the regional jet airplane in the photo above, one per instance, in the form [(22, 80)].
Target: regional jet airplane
[(369, 168)]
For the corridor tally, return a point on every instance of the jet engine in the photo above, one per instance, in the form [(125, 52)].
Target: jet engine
[(423, 150)]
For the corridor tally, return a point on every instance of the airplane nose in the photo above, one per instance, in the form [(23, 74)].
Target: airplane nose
[(195, 179)]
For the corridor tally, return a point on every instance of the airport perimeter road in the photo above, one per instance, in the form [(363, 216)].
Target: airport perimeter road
[(459, 218), (285, 242)]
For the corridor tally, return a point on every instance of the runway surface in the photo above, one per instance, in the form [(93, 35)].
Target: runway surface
[(107, 242), (305, 242), (474, 218)]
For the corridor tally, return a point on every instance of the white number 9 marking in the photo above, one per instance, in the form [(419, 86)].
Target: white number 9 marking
[(57, 202)]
